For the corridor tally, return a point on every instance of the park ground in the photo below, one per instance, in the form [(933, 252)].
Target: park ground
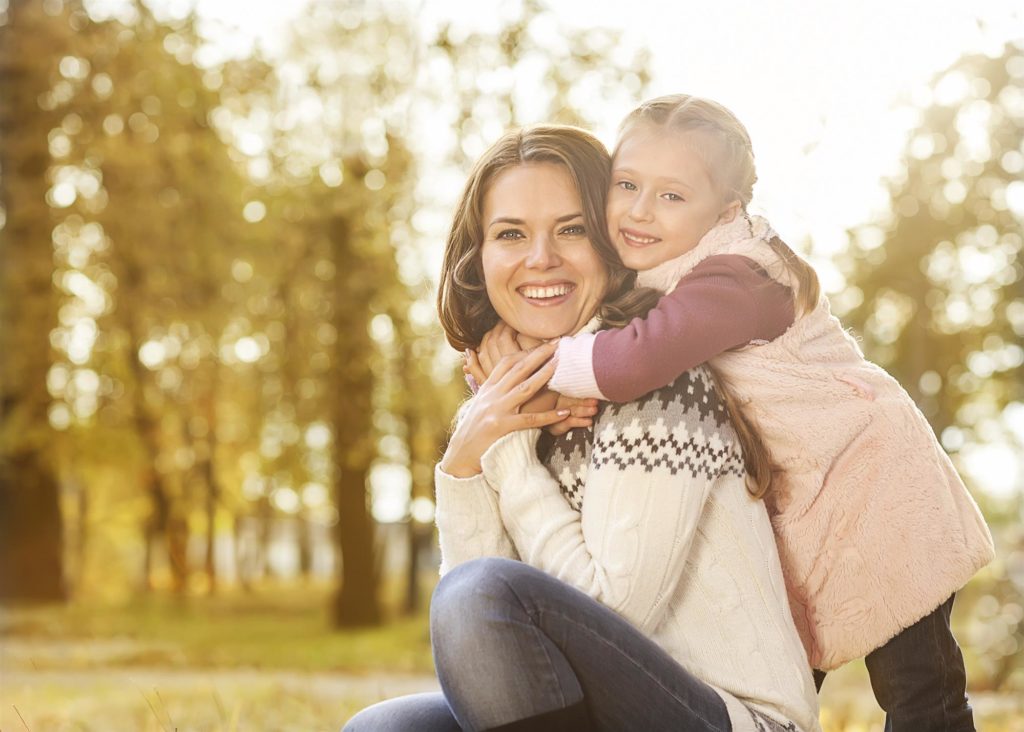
[(262, 661)]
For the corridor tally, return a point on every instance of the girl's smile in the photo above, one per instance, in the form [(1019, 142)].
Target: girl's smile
[(663, 198)]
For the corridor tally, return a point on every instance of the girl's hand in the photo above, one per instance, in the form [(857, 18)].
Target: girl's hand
[(496, 410), (581, 413)]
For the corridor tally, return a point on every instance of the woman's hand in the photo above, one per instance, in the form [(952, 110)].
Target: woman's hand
[(496, 410), (502, 340)]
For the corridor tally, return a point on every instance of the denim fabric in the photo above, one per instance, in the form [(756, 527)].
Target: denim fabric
[(427, 712), (919, 678), (511, 642)]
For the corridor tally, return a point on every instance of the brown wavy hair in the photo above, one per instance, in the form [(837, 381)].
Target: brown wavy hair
[(465, 310), (462, 303)]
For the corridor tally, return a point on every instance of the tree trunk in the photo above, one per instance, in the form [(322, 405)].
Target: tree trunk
[(356, 602), (412, 578), (212, 497), (31, 532), (31, 529)]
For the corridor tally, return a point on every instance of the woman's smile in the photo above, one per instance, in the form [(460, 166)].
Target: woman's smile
[(546, 294), (542, 274)]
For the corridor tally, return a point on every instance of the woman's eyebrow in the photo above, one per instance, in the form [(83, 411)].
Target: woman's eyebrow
[(521, 222)]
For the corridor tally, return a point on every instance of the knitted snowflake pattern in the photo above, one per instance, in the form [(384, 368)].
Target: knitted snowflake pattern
[(682, 428)]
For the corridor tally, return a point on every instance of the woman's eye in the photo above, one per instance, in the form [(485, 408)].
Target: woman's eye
[(574, 230), (673, 197), (626, 185), (509, 235)]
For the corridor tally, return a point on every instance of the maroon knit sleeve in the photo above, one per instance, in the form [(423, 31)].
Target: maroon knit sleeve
[(725, 302)]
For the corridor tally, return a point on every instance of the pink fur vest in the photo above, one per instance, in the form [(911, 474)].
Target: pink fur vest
[(874, 527)]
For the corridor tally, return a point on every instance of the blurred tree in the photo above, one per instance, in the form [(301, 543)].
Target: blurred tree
[(936, 287), (937, 290), (173, 215), (32, 44)]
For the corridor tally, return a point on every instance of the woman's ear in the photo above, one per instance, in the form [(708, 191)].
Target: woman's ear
[(729, 212)]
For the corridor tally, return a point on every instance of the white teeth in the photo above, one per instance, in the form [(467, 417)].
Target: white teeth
[(639, 239), (543, 292)]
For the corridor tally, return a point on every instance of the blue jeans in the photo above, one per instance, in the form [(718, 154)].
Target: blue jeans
[(919, 679), (511, 644)]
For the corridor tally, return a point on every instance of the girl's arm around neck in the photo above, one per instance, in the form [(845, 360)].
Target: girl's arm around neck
[(724, 303)]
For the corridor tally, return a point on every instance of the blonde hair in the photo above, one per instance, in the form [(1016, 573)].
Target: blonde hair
[(729, 157)]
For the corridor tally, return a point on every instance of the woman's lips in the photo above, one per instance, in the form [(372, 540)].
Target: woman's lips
[(638, 239), (547, 294)]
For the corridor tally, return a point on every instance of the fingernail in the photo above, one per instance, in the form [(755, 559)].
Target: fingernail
[(562, 412), (471, 382)]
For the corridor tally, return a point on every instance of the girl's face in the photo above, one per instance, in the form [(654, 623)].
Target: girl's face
[(542, 274), (662, 199)]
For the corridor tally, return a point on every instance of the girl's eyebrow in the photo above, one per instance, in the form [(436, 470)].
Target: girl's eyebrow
[(521, 222), (677, 181)]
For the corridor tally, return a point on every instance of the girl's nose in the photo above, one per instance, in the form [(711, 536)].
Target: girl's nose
[(542, 254), (641, 210)]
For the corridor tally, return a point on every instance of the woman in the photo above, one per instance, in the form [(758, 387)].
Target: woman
[(649, 595)]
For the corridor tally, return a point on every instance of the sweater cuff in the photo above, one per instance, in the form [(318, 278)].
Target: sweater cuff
[(509, 455), (574, 374), (461, 500)]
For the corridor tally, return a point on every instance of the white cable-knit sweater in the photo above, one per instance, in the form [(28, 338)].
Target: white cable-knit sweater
[(648, 513)]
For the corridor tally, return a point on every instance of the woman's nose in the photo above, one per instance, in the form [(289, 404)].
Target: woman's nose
[(542, 254)]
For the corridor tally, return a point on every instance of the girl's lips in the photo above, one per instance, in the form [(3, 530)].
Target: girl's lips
[(637, 239)]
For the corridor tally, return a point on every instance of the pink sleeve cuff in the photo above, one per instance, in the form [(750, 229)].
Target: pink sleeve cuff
[(574, 374)]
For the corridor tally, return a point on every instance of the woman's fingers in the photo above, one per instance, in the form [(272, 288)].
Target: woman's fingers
[(576, 404), (569, 423), (495, 345), (534, 383), (527, 342), (473, 368), (529, 420), (484, 353), (505, 339), (519, 366)]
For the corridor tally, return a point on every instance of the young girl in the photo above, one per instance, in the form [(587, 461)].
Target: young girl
[(875, 529)]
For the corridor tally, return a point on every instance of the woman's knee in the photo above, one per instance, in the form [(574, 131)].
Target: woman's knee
[(483, 576), (428, 712), (468, 593)]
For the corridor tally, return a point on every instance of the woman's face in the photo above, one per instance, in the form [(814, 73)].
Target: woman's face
[(542, 274)]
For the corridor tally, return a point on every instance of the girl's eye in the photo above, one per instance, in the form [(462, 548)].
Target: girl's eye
[(673, 197), (626, 185), (574, 230), (509, 235)]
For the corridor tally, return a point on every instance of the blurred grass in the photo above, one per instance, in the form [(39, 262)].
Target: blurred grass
[(266, 660), (283, 627)]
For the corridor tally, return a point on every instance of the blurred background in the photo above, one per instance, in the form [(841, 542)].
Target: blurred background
[(222, 383)]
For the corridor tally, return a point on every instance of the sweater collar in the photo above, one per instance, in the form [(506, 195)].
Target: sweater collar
[(665, 276)]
